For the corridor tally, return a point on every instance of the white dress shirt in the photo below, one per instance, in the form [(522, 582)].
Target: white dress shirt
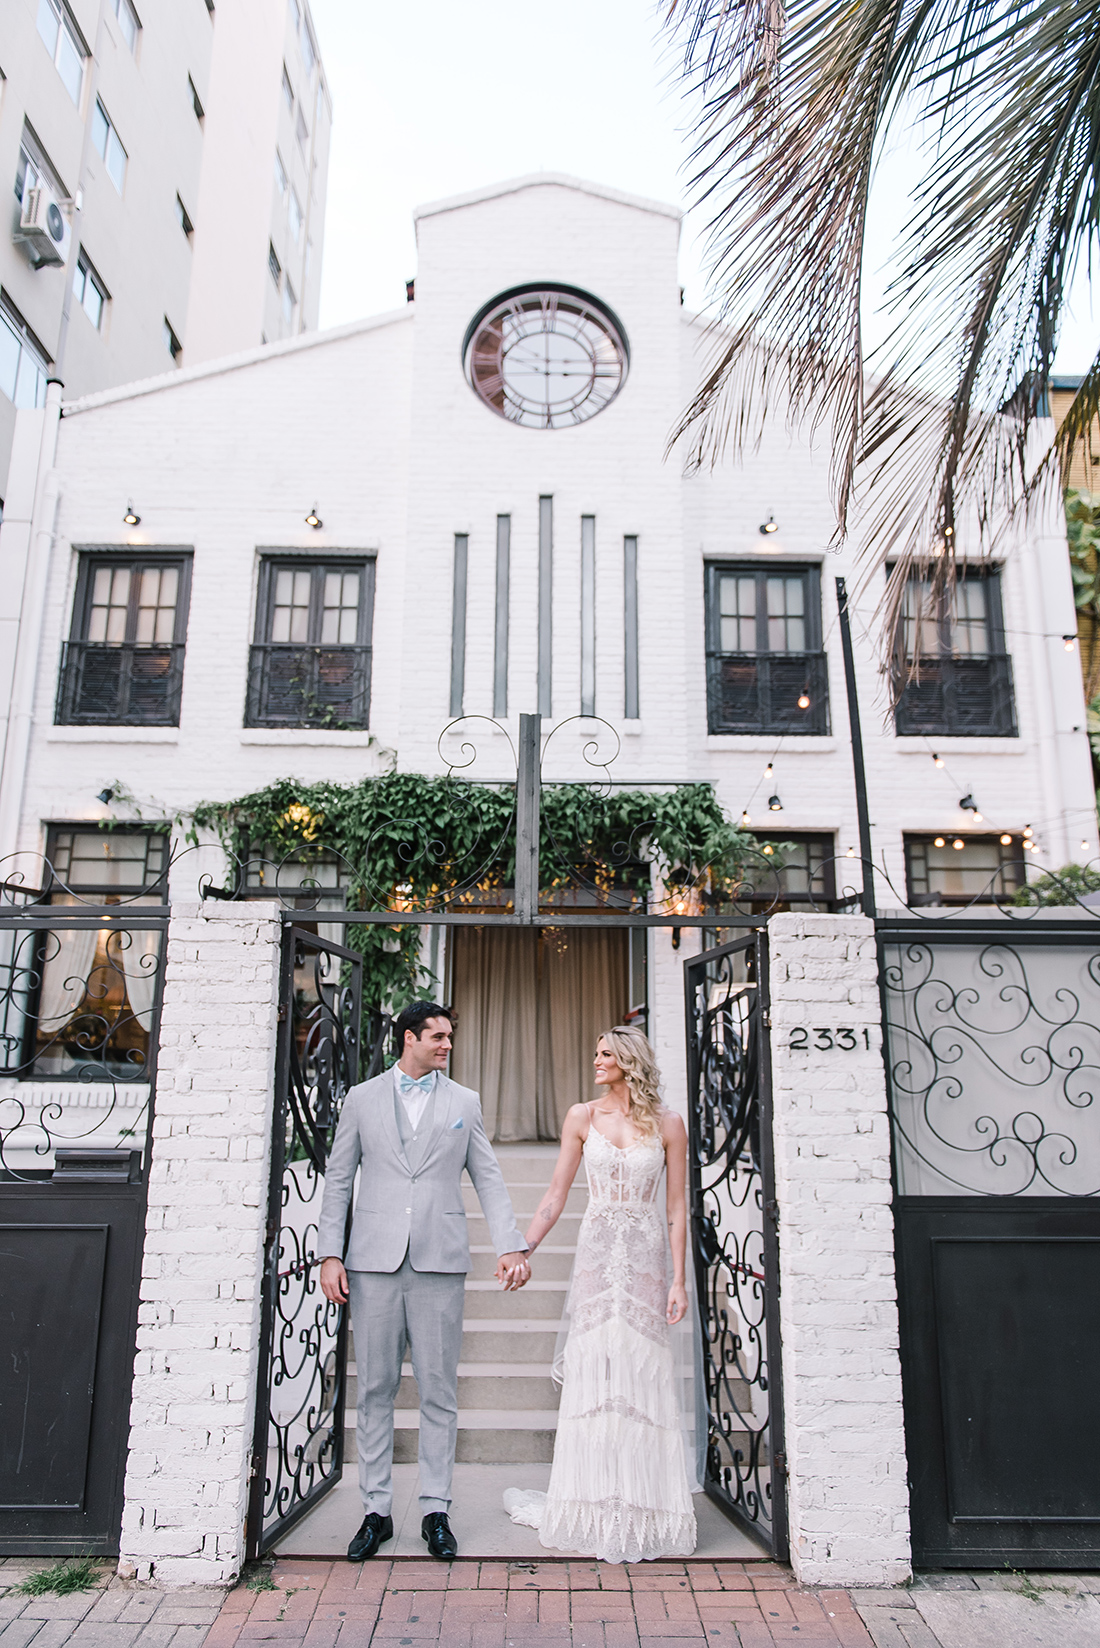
[(415, 1100)]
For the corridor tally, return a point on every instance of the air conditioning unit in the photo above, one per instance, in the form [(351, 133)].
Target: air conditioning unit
[(44, 226)]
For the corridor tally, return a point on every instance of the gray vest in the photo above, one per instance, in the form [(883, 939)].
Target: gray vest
[(413, 1143)]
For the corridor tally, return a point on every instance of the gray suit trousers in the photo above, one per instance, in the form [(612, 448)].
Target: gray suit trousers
[(424, 1308)]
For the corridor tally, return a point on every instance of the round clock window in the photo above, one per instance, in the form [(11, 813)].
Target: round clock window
[(545, 357)]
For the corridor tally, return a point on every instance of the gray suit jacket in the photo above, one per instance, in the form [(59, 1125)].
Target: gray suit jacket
[(403, 1208)]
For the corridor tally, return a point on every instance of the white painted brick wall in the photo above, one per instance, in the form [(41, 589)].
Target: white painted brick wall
[(194, 1394), (849, 1502)]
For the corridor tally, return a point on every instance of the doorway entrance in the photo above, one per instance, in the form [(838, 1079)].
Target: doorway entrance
[(531, 1003)]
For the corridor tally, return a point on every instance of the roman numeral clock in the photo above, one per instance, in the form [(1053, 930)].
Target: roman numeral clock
[(545, 357)]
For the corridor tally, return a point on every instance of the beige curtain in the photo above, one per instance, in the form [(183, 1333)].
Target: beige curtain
[(530, 1008)]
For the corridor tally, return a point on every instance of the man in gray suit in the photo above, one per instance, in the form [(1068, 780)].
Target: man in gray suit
[(410, 1132)]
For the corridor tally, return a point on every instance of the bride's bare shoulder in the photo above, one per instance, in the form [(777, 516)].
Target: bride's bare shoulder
[(577, 1120), (673, 1130)]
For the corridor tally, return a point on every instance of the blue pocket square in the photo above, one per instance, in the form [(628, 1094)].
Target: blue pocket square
[(459, 1123)]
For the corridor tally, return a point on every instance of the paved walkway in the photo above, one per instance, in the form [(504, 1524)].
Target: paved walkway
[(417, 1604)]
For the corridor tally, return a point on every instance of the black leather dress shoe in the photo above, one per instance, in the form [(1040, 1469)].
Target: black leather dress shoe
[(375, 1530), (437, 1531)]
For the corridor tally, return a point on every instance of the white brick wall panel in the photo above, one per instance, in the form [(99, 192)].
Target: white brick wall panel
[(841, 1371), (194, 1384)]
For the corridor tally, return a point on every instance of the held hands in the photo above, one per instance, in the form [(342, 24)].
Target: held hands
[(334, 1281), (677, 1304), (513, 1271)]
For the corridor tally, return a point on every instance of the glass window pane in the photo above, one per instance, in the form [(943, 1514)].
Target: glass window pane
[(776, 592), (127, 22), (9, 358), (100, 127), (93, 303), (116, 160), (30, 383), (349, 593), (70, 64), (48, 24), (349, 626), (79, 282)]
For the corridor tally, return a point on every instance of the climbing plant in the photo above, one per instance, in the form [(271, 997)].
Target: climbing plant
[(410, 842)]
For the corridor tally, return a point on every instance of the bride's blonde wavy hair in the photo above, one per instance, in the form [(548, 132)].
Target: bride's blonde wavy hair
[(634, 1056)]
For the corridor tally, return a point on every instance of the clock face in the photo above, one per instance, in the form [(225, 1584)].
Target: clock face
[(546, 357)]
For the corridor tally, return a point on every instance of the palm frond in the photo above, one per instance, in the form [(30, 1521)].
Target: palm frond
[(938, 427)]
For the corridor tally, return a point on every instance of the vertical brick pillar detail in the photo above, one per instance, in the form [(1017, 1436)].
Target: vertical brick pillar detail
[(193, 1405), (849, 1504)]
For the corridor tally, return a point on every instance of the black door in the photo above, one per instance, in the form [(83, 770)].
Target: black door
[(993, 1040), (70, 1264), (1001, 1345)]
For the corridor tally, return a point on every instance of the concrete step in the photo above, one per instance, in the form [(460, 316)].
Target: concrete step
[(526, 1198), (510, 1392), (564, 1233), (538, 1299), (553, 1263), (485, 1437), (521, 1339)]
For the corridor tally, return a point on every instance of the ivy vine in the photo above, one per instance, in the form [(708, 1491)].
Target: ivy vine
[(405, 841)]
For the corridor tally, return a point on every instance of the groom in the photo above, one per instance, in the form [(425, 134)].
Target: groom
[(410, 1131)]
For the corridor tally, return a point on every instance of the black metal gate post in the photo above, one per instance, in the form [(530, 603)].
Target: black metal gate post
[(734, 1225), (298, 1449)]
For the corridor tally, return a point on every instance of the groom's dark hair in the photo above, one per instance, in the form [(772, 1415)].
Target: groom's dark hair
[(415, 1016)]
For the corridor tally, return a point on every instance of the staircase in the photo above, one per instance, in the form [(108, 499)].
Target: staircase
[(507, 1402)]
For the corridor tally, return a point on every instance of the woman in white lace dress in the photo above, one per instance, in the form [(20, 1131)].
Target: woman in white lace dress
[(619, 1486)]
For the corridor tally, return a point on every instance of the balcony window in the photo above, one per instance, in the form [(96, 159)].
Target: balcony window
[(963, 869), (23, 366), (123, 665), (311, 660), (63, 42), (766, 672), (89, 290), (963, 685), (108, 146), (127, 21)]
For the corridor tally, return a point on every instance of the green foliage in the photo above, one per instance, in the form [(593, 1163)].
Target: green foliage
[(63, 1578), (410, 842), (1083, 535), (1064, 886)]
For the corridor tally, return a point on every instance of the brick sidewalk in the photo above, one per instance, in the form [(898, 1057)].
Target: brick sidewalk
[(536, 1605)]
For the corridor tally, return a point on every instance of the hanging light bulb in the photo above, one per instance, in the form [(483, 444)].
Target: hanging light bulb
[(803, 700), (1068, 641), (958, 844), (978, 819), (768, 848), (1084, 846), (768, 771), (937, 760), (939, 842), (851, 853), (745, 819), (1027, 832), (1006, 841)]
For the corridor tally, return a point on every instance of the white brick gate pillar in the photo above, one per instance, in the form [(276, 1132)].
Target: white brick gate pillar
[(194, 1394), (849, 1504)]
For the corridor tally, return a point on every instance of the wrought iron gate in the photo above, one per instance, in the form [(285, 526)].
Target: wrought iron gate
[(993, 1064), (298, 1450), (80, 990), (734, 1234)]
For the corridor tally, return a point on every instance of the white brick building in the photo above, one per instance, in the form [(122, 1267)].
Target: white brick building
[(351, 495)]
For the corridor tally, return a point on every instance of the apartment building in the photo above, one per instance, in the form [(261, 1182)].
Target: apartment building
[(169, 161)]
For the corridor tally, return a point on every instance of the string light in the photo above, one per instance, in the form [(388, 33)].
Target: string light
[(745, 819), (768, 773), (1006, 841), (1068, 641), (937, 760), (1028, 832), (939, 842), (1084, 846), (851, 853), (769, 849), (958, 844), (978, 819), (804, 701)]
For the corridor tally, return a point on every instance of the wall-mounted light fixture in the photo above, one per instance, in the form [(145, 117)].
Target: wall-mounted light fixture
[(131, 517), (1068, 642), (967, 804), (313, 519), (774, 804), (768, 527), (106, 796)]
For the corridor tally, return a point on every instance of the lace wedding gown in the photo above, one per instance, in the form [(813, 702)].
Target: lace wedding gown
[(618, 1486)]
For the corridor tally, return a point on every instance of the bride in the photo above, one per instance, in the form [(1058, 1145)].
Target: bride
[(619, 1485)]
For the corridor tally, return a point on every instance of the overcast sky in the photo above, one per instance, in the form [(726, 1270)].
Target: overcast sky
[(444, 97)]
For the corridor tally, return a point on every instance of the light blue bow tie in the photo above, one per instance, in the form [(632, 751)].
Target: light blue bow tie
[(423, 1084)]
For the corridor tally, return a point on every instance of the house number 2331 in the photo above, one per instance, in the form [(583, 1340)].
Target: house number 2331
[(840, 1038)]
